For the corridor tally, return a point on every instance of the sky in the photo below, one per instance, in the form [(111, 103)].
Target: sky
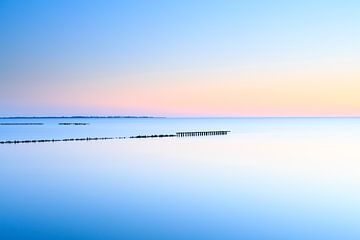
[(180, 58)]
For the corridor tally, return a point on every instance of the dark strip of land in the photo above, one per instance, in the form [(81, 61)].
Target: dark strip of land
[(71, 117), (17, 124)]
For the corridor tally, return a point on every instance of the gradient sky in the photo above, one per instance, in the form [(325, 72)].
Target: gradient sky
[(180, 58)]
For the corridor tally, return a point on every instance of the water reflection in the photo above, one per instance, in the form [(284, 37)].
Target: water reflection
[(253, 185)]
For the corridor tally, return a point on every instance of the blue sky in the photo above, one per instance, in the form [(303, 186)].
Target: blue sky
[(47, 45)]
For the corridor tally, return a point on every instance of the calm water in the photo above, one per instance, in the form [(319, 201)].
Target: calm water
[(290, 178)]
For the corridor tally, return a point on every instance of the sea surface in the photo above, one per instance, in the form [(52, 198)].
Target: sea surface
[(270, 178)]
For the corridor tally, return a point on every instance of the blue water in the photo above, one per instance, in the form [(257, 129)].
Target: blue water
[(270, 178)]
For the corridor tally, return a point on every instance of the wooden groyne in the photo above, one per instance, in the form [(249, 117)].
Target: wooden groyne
[(196, 134), (154, 136), (178, 134), (59, 140), (185, 134)]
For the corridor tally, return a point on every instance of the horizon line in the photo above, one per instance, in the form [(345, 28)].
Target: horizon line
[(147, 116)]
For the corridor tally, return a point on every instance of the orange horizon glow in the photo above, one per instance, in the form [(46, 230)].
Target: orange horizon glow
[(218, 93)]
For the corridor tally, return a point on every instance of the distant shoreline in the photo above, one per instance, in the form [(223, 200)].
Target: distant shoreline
[(19, 124), (70, 117), (178, 117)]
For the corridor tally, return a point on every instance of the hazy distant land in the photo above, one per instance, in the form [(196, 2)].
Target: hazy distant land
[(69, 117)]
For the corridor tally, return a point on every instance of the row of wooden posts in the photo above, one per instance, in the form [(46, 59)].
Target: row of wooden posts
[(195, 134), (178, 134)]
